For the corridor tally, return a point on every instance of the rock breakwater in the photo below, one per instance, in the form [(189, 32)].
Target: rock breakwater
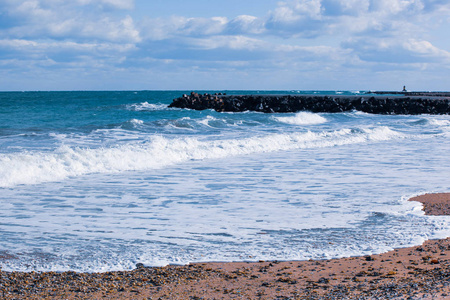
[(425, 103)]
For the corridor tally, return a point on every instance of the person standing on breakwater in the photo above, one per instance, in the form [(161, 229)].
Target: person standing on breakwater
[(404, 89)]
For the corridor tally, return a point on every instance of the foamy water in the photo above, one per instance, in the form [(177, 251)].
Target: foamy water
[(120, 179), (302, 118)]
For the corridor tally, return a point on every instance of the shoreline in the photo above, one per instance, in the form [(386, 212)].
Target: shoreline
[(421, 271)]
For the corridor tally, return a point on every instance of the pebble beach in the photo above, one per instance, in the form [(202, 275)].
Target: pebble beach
[(421, 272)]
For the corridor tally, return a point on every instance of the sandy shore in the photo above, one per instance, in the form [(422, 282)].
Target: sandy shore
[(421, 272)]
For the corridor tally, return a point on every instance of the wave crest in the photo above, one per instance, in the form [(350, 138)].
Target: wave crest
[(64, 162), (145, 106), (302, 118)]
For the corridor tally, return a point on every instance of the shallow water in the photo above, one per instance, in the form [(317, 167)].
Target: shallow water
[(98, 181)]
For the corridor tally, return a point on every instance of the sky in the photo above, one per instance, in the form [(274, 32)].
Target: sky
[(224, 45)]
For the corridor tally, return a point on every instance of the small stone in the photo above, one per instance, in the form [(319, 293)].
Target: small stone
[(323, 280), (390, 273), (140, 266)]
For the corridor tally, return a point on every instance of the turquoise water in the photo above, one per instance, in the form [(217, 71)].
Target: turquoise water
[(98, 181)]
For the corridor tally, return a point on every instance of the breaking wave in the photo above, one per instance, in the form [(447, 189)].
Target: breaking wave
[(302, 118), (145, 106), (157, 152)]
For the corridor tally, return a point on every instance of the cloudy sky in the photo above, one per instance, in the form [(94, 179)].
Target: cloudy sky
[(233, 44)]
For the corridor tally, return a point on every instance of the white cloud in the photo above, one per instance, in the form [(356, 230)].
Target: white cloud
[(44, 49), (292, 11), (299, 18), (231, 42), (202, 26), (110, 30), (160, 29), (313, 18), (426, 49), (394, 7), (297, 35), (35, 19), (245, 24), (17, 44), (395, 51), (115, 4)]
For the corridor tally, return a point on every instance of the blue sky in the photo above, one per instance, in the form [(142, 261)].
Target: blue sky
[(234, 44)]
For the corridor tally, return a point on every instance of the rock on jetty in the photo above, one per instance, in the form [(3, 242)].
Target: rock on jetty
[(405, 104)]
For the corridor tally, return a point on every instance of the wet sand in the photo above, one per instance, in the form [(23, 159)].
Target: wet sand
[(421, 272)]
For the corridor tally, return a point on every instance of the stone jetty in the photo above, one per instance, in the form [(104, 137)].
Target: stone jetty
[(406, 103)]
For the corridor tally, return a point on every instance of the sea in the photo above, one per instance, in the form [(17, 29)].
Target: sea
[(101, 181)]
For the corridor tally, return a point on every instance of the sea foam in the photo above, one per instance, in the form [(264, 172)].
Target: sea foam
[(159, 151), (437, 122), (302, 118), (145, 106)]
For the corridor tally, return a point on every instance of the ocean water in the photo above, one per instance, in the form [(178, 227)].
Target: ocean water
[(100, 181)]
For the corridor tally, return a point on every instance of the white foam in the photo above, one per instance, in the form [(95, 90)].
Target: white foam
[(382, 133), (440, 122), (183, 123), (206, 121), (145, 106), (302, 118), (58, 136), (158, 151), (136, 122)]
